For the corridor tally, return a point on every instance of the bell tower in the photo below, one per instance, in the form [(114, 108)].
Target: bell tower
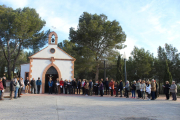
[(52, 38)]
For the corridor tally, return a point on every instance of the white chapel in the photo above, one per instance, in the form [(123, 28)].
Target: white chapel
[(50, 61)]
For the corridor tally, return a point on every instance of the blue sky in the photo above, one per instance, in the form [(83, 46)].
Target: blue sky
[(147, 23)]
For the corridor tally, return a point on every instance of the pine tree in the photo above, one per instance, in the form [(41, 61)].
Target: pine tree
[(167, 75), (119, 74)]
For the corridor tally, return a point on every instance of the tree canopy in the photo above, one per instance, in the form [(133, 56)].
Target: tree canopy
[(99, 36), (19, 29)]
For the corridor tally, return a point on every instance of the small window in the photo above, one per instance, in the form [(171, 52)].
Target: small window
[(52, 50)]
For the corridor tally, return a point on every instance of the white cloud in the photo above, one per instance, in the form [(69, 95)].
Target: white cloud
[(145, 8), (130, 42), (178, 22), (61, 24), (154, 20)]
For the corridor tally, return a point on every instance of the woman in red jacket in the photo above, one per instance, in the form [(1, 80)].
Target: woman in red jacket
[(111, 86), (1, 89), (61, 85)]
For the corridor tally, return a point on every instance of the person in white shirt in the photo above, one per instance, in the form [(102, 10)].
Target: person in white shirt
[(148, 89), (82, 86)]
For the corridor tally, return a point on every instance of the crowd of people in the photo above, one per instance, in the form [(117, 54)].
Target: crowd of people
[(143, 89)]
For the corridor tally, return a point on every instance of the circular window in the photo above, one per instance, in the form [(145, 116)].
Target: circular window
[(52, 50)]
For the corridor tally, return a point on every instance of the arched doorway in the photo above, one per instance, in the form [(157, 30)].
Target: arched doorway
[(54, 74), (44, 83)]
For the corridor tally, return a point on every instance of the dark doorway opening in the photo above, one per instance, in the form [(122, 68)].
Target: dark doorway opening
[(26, 75), (50, 72)]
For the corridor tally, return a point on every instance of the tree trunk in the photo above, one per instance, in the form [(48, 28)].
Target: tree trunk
[(14, 62), (9, 70), (9, 61), (97, 72), (159, 86)]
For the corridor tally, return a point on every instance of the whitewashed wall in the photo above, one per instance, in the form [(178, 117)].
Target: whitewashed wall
[(65, 68), (24, 68), (39, 65), (45, 53)]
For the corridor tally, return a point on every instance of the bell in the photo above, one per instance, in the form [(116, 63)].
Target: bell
[(52, 39)]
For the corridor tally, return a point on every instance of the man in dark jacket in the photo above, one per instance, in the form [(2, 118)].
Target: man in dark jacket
[(79, 86), (74, 85), (166, 90), (70, 86), (65, 86), (55, 86), (4, 83), (38, 83), (156, 92), (26, 83), (121, 87), (90, 87), (95, 87), (107, 86), (12, 88), (33, 86)]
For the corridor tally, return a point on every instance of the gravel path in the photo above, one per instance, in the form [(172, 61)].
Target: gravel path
[(78, 107)]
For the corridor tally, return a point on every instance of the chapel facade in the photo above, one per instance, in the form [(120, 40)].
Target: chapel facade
[(50, 61)]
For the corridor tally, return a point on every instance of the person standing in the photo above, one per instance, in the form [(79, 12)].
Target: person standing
[(133, 90), (143, 88), (111, 86), (156, 92), (138, 88), (148, 89), (33, 86), (127, 89), (173, 90), (90, 87), (70, 86), (153, 89), (38, 83), (65, 86), (1, 89), (58, 86), (166, 90), (79, 86), (12, 88), (96, 85), (4, 83), (107, 86), (116, 88), (101, 88), (121, 87), (55, 86), (22, 83), (74, 84), (16, 88), (26, 83), (50, 84), (29, 91), (19, 91), (61, 85), (86, 87), (82, 86), (103, 82)]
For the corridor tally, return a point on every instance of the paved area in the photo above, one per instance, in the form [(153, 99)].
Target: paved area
[(78, 107)]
